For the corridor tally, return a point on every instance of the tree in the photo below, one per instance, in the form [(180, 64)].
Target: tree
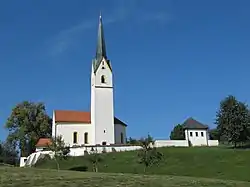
[(178, 133), (132, 141), (94, 158), (232, 120), (148, 155), (8, 155), (59, 148), (27, 123), (214, 134)]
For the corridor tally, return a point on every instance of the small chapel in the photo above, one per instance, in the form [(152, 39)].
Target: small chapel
[(98, 126)]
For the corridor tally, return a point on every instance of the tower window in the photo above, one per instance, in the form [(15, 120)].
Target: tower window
[(191, 133), (202, 134), (196, 133), (85, 138), (75, 137), (103, 79)]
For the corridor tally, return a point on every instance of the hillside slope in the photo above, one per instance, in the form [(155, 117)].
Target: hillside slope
[(219, 163), (28, 177)]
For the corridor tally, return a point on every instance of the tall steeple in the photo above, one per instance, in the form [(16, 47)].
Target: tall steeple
[(102, 97), (101, 48)]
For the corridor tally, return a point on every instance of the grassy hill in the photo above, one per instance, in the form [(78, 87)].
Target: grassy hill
[(220, 163), (15, 177)]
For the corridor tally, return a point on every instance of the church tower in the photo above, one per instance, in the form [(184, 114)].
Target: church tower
[(102, 107)]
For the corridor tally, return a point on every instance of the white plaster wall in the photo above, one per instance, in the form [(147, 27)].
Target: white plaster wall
[(53, 124), (22, 161), (102, 106), (92, 108), (118, 130), (67, 130), (213, 142), (197, 140), (169, 143), (104, 116), (80, 151), (39, 149)]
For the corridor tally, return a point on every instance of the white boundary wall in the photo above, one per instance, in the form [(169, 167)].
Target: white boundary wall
[(171, 143), (213, 143), (79, 151)]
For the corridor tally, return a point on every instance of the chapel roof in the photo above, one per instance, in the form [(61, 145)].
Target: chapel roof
[(72, 116), (42, 142), (69, 116), (191, 123)]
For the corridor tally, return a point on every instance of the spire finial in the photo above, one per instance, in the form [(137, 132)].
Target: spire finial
[(100, 14)]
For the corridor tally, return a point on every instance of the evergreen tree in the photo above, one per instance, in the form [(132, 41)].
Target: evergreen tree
[(232, 120), (178, 133)]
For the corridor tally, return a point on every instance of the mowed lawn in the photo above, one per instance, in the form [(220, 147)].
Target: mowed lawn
[(220, 163), (30, 177)]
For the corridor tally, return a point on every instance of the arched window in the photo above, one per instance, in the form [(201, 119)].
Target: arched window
[(103, 79), (122, 138), (85, 138), (75, 137)]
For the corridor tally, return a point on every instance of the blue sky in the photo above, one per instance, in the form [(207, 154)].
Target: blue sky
[(171, 59)]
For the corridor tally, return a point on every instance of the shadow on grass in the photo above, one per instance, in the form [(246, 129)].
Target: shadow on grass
[(79, 168), (243, 146)]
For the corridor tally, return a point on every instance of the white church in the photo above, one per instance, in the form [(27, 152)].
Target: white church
[(98, 126)]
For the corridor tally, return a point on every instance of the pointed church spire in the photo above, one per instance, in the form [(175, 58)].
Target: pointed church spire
[(101, 48)]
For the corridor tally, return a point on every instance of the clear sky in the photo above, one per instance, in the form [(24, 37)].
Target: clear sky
[(171, 59)]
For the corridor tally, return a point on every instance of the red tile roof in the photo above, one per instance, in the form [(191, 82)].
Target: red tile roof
[(72, 116), (43, 142)]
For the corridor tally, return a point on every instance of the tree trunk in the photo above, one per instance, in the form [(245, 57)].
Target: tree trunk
[(96, 168), (58, 166)]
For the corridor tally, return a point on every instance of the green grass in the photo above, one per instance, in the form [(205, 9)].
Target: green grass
[(220, 163), (27, 177)]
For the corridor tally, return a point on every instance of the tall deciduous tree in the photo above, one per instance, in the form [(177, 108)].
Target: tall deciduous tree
[(177, 133), (27, 123), (232, 120)]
